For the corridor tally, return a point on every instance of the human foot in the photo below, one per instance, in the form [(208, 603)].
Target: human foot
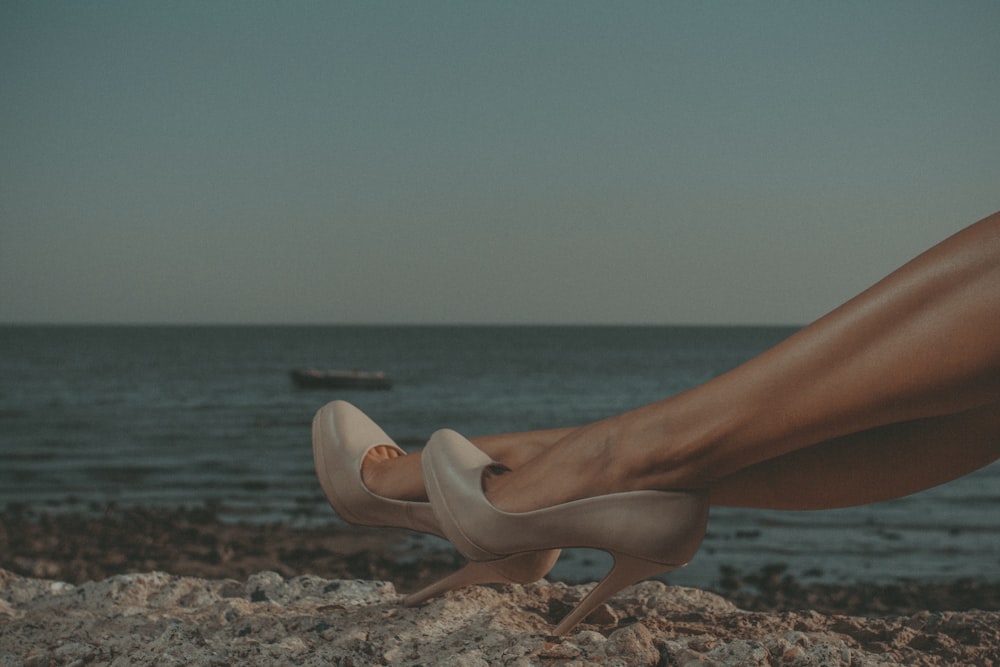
[(390, 472), (660, 446), (579, 465)]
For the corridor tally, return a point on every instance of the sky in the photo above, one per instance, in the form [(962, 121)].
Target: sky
[(465, 162)]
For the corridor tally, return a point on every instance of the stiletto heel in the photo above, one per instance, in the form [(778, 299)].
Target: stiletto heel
[(470, 575), (342, 436), (520, 569), (647, 532), (626, 571)]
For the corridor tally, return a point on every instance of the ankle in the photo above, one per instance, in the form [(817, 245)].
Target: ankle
[(670, 446), (569, 470), (517, 449)]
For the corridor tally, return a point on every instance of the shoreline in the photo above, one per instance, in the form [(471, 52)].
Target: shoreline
[(77, 547)]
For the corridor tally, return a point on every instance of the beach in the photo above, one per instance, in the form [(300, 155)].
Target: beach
[(154, 586), (173, 515)]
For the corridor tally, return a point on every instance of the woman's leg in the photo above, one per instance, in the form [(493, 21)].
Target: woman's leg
[(887, 378), (923, 343), (879, 464)]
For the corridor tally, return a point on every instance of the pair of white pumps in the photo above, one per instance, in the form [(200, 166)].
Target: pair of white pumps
[(647, 532)]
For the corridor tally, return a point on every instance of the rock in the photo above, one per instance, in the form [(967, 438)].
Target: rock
[(635, 644), (159, 619)]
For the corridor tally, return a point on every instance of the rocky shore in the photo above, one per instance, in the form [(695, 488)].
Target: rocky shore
[(150, 587)]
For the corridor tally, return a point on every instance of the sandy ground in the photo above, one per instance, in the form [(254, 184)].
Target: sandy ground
[(151, 587)]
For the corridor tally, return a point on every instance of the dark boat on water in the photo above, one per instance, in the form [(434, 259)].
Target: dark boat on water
[(312, 378)]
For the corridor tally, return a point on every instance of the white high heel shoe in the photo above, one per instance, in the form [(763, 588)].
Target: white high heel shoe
[(647, 532), (342, 436)]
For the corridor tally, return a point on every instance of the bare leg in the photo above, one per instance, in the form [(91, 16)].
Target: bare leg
[(871, 466), (932, 299), (922, 343)]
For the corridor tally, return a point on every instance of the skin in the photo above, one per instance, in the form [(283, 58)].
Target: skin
[(893, 392)]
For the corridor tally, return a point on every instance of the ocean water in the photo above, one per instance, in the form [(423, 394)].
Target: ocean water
[(188, 416)]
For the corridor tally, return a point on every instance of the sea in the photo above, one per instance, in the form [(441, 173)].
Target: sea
[(207, 416)]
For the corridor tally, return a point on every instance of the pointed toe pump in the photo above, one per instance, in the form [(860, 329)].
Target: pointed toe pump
[(647, 532), (342, 436)]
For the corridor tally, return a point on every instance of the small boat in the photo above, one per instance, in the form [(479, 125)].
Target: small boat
[(312, 378)]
